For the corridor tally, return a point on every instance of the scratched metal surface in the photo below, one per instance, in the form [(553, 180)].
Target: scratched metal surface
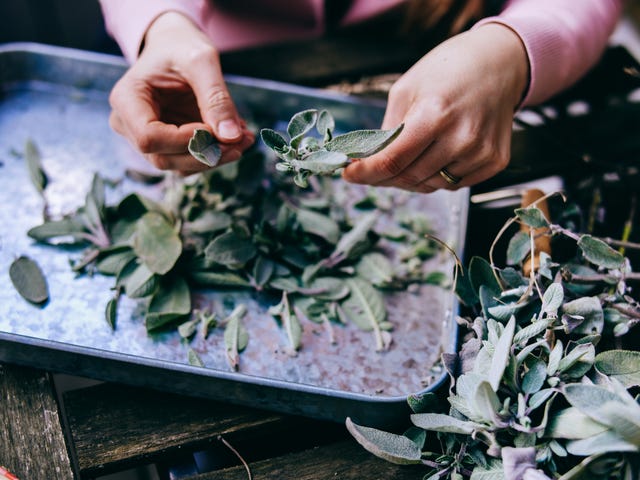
[(58, 98)]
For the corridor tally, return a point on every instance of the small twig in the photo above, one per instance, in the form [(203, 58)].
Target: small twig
[(235, 452)]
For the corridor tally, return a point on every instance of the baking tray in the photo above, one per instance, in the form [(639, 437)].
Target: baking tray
[(58, 98)]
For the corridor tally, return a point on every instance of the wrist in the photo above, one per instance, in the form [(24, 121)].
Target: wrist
[(166, 25), (509, 50)]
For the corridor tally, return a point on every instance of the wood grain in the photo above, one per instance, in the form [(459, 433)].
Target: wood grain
[(114, 427), (345, 460), (32, 443)]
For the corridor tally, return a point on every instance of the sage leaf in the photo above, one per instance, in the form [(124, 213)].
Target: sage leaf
[(273, 140), (300, 124), (393, 448), (599, 253), (481, 273), (501, 355), (590, 310), (365, 307), (34, 165), (140, 282), (157, 243), (493, 471), (535, 377), (578, 361), (623, 365), (362, 143), (236, 336), (377, 268), (325, 125), (188, 329), (263, 269), (113, 260), (207, 278), (111, 312), (532, 216), (530, 331), (170, 302), (518, 248), (204, 147), (571, 423), (318, 224), (439, 422), (28, 280), (485, 403), (231, 249), (194, 359), (552, 299), (209, 222), (353, 243), (321, 162), (604, 442), (66, 227)]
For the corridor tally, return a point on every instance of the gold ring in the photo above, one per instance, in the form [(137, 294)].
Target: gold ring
[(449, 177)]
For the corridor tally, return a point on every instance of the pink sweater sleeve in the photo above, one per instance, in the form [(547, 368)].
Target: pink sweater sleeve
[(127, 20), (563, 39)]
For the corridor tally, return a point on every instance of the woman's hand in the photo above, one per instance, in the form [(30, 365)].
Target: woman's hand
[(457, 104), (175, 87)]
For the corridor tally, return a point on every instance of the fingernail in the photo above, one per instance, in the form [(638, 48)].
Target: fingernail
[(228, 129)]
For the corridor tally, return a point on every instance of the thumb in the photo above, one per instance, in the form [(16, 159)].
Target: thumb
[(214, 100)]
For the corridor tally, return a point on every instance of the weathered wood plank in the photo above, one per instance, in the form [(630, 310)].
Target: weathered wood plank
[(32, 443), (345, 460), (114, 426)]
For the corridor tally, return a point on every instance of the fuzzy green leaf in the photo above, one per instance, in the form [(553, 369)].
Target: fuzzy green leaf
[(623, 365), (599, 253), (34, 165), (393, 448), (362, 143), (231, 249), (28, 280), (300, 124), (157, 243), (170, 302), (204, 147), (532, 216), (518, 248)]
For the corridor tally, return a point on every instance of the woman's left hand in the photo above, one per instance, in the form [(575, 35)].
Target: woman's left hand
[(457, 105)]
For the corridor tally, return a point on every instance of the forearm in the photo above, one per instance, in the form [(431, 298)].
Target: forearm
[(563, 39), (127, 21)]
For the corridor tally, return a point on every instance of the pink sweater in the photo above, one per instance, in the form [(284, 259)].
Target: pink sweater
[(563, 38)]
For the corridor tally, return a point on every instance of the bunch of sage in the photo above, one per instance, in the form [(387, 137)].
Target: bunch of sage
[(540, 388), (305, 154), (240, 226)]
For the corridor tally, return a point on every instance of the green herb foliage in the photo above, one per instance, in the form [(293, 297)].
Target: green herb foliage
[(243, 226), (539, 388), (306, 154)]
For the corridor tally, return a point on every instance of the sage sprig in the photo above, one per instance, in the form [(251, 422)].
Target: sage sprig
[(323, 154), (539, 388)]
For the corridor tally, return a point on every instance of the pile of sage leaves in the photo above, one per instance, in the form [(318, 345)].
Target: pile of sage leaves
[(540, 387), (245, 226)]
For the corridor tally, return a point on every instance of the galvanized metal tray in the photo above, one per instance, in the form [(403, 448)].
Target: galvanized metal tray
[(58, 98)]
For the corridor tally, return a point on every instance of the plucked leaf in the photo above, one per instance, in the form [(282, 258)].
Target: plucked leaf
[(208, 278), (377, 268), (231, 249), (66, 227), (236, 336), (365, 306), (28, 280), (318, 224), (170, 302), (204, 147), (157, 243), (34, 165)]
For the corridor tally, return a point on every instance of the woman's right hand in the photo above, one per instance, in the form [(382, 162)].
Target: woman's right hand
[(174, 87)]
